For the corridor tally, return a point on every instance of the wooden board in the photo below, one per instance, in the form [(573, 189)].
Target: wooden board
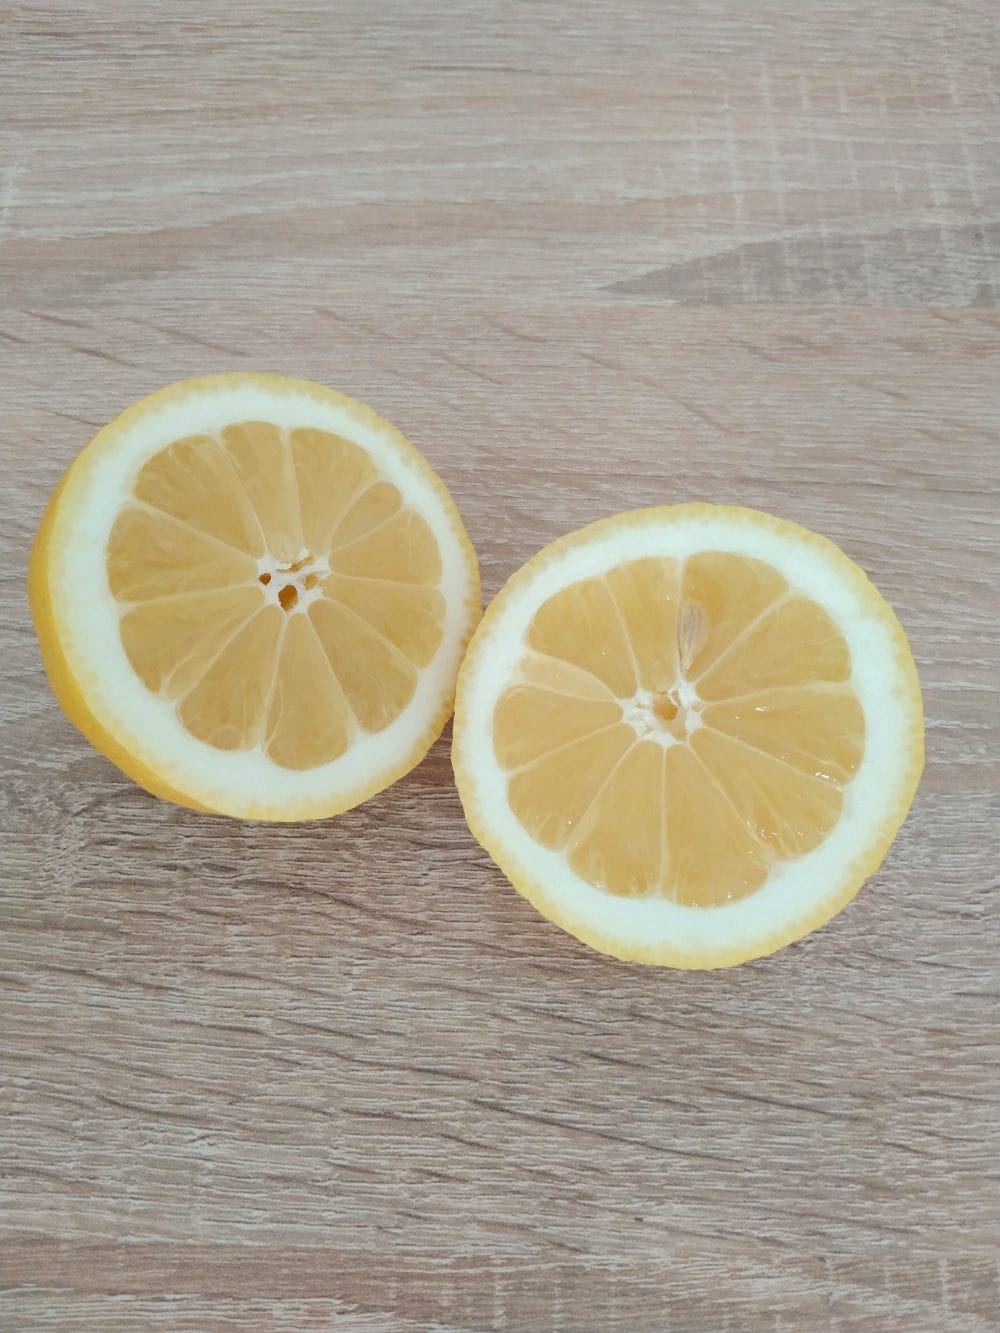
[(588, 257)]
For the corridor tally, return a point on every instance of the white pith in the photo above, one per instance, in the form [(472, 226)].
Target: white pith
[(245, 782), (278, 576), (639, 712), (797, 889)]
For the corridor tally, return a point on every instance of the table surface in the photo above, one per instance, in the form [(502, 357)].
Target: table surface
[(588, 258)]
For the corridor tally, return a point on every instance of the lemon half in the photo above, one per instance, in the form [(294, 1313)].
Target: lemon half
[(253, 594), (687, 735)]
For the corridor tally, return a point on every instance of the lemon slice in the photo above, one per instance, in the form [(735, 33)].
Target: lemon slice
[(252, 594), (687, 735)]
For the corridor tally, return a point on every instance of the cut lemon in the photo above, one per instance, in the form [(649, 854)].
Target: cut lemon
[(252, 594), (687, 735)]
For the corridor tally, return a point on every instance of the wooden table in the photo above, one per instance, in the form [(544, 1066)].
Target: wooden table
[(589, 257)]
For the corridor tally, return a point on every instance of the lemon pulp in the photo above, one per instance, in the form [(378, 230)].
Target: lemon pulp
[(679, 727), (275, 590)]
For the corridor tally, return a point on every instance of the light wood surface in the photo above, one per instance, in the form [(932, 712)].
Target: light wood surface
[(588, 257)]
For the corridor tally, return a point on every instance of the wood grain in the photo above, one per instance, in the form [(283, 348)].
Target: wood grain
[(589, 258)]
